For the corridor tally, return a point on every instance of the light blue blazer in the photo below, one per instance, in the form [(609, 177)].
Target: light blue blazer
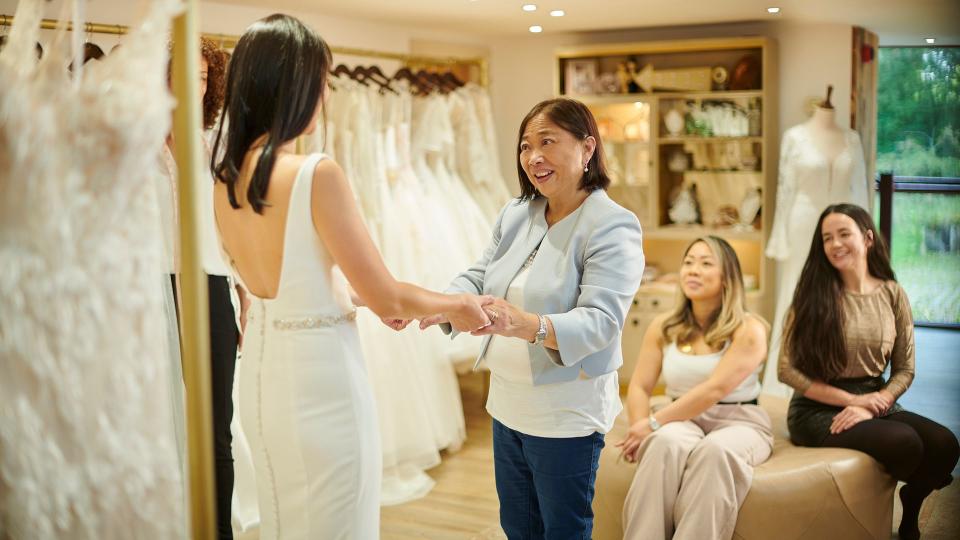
[(583, 279)]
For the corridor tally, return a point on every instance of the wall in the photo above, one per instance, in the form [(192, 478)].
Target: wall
[(231, 19), (809, 56)]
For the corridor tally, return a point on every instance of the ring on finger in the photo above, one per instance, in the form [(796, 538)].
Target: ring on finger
[(492, 314)]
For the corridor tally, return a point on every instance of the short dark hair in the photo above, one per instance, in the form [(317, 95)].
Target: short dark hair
[(276, 77), (575, 118)]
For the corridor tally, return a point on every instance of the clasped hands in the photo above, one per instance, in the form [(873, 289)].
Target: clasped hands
[(480, 316), (637, 433), (860, 408)]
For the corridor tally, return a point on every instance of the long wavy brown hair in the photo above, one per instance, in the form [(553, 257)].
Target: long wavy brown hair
[(813, 335)]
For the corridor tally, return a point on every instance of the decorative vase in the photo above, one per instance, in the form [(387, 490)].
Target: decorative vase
[(674, 122)]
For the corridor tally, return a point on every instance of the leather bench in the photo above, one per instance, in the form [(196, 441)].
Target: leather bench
[(799, 493)]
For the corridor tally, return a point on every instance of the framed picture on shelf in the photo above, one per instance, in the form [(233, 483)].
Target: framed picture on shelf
[(580, 75)]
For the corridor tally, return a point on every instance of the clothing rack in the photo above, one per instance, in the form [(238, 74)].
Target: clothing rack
[(228, 41)]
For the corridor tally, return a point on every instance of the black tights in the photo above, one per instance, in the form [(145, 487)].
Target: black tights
[(223, 355), (912, 449)]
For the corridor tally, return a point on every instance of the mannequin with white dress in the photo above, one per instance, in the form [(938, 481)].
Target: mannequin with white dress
[(821, 164)]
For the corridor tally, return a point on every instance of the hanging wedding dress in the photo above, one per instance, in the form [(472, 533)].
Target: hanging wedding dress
[(405, 383), (808, 183), (85, 403), (476, 151), (416, 388)]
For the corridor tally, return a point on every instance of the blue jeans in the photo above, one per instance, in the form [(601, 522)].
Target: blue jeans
[(545, 485)]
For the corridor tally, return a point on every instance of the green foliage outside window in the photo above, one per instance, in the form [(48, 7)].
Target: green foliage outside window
[(918, 134)]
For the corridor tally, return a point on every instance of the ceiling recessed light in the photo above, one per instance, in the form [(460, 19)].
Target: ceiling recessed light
[(529, 7), (773, 10), (931, 40), (536, 29), (558, 13)]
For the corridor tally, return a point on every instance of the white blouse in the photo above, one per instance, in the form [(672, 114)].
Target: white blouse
[(571, 409)]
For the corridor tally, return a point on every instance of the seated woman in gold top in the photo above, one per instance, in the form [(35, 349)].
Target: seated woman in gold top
[(848, 321)]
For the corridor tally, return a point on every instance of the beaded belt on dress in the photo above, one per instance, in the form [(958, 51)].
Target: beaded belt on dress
[(319, 321)]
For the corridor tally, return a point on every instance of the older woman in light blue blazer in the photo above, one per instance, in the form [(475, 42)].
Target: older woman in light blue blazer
[(564, 264)]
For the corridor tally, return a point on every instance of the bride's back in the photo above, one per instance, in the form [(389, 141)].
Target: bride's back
[(255, 241), (275, 84)]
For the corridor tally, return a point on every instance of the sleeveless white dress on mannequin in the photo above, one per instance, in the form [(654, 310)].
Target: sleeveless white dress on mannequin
[(305, 402), (808, 183)]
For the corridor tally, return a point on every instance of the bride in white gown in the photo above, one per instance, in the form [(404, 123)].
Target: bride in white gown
[(285, 220)]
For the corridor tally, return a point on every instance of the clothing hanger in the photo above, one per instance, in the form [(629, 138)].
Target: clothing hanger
[(432, 81), (340, 70), (359, 74), (404, 74), (373, 73), (450, 78)]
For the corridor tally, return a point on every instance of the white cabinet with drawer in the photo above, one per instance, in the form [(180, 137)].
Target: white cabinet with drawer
[(646, 306)]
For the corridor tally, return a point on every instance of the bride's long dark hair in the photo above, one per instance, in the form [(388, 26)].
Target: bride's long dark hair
[(275, 79), (813, 337)]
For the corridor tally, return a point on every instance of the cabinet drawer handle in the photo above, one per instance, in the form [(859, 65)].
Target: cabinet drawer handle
[(636, 302), (655, 303), (635, 322)]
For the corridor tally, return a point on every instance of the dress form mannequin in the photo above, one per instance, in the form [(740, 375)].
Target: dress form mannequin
[(821, 164), (825, 134)]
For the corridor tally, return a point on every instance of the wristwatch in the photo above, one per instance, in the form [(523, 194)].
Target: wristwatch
[(654, 425), (541, 335)]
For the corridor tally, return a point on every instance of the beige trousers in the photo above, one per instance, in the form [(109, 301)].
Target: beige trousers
[(694, 475)]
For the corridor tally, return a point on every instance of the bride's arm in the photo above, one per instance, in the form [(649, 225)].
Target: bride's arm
[(340, 226)]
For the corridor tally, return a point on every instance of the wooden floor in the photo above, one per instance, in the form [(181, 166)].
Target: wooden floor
[(935, 392), (463, 504)]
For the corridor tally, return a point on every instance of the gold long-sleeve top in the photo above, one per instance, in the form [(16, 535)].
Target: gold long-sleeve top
[(878, 328)]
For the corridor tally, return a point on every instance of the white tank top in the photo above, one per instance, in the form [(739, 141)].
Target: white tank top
[(683, 371)]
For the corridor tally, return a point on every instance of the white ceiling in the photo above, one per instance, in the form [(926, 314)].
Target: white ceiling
[(897, 21)]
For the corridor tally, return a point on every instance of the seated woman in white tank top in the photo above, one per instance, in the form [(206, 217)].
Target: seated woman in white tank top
[(697, 454)]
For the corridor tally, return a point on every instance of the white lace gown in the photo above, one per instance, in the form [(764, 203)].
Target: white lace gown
[(475, 159), (306, 405), (85, 397), (807, 184)]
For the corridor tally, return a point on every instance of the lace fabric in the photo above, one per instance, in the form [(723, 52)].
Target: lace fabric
[(86, 422)]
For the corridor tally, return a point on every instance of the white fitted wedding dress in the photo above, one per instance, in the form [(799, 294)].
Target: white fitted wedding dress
[(305, 402)]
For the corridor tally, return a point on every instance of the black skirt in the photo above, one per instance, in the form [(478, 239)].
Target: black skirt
[(809, 421)]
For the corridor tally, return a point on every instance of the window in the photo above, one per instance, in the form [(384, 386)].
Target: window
[(918, 140)]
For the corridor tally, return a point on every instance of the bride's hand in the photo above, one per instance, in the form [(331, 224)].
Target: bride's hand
[(395, 324), (427, 322), (471, 315)]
